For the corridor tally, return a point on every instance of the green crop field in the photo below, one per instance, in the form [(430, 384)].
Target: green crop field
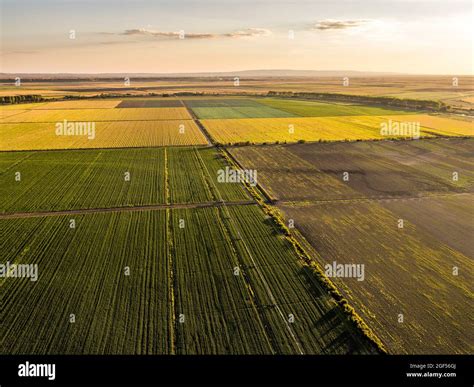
[(252, 308), (83, 302), (65, 180), (220, 102), (193, 176), (321, 109), (233, 108), (181, 294), (239, 112)]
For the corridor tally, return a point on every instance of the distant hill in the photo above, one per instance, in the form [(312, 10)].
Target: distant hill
[(244, 74)]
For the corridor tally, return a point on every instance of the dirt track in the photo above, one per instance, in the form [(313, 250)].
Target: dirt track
[(15, 215)]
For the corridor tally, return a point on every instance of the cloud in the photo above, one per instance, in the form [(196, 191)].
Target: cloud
[(246, 33), (167, 34), (332, 24), (249, 32)]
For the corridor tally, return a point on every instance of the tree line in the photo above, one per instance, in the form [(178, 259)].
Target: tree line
[(14, 99)]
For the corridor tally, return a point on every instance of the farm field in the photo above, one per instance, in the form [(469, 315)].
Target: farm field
[(214, 310), (83, 179), (77, 104), (423, 87), (240, 304), (150, 103), (10, 112), (376, 170), (88, 115), (233, 108), (444, 125), (112, 134), (221, 101), (286, 177), (408, 272), (63, 180), (357, 222), (406, 168), (447, 218), (321, 109), (270, 130), (161, 122), (81, 272), (193, 177)]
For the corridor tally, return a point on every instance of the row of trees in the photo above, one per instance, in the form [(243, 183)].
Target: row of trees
[(13, 99)]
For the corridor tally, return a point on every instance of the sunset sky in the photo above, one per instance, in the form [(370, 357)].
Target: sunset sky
[(430, 37)]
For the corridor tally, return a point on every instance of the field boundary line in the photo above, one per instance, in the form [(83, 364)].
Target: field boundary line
[(275, 144), (53, 122), (309, 202), (152, 207), (107, 148), (169, 251)]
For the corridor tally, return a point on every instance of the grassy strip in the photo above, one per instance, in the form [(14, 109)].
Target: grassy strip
[(277, 217), (169, 250)]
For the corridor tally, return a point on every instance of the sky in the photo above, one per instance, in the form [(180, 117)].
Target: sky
[(175, 36)]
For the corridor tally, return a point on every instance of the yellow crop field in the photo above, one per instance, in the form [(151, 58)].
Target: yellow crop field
[(79, 104), (259, 130), (22, 106), (36, 136), (444, 125), (10, 112), (89, 115)]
